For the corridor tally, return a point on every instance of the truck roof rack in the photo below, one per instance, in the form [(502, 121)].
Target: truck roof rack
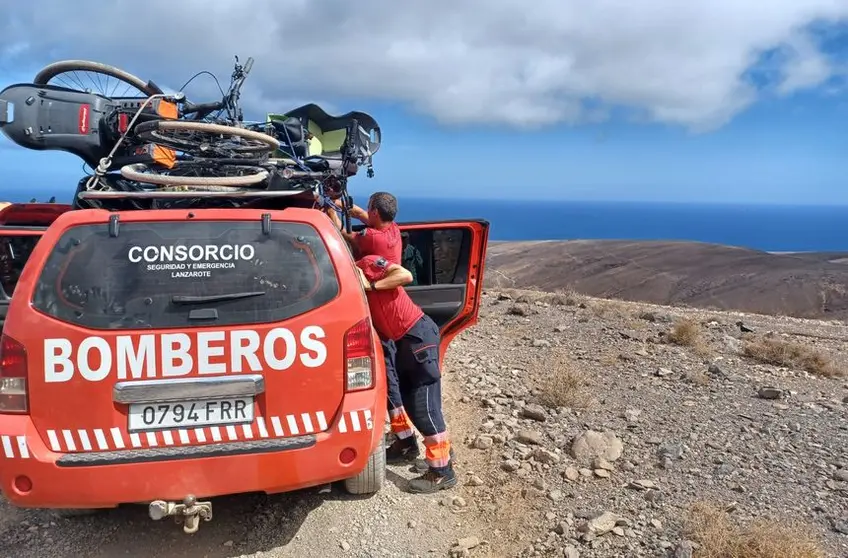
[(107, 195)]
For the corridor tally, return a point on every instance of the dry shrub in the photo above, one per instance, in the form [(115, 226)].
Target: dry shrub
[(561, 383), (636, 324), (698, 378), (518, 310), (563, 297), (648, 316), (685, 333), (599, 308), (720, 537), (510, 293), (611, 308), (792, 355), (610, 358), (604, 308), (688, 333), (513, 514)]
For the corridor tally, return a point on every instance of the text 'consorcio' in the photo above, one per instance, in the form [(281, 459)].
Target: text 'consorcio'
[(194, 253)]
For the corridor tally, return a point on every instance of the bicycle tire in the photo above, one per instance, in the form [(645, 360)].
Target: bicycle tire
[(150, 132), (64, 66), (137, 173)]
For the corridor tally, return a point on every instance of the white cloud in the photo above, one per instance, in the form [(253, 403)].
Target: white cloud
[(805, 66), (460, 61)]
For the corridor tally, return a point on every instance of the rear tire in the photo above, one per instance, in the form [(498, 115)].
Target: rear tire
[(165, 133), (372, 478), (67, 66)]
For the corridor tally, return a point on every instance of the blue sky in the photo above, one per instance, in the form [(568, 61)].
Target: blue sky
[(709, 102)]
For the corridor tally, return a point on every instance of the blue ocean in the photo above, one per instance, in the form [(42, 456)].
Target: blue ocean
[(763, 227)]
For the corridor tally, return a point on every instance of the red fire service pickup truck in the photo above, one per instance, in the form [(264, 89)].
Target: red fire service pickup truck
[(167, 356)]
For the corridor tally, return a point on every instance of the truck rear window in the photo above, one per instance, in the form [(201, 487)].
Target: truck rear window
[(192, 273)]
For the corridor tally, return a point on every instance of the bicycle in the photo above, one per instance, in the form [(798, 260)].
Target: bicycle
[(147, 129), (295, 168)]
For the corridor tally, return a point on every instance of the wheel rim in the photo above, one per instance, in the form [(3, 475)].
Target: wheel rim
[(91, 81)]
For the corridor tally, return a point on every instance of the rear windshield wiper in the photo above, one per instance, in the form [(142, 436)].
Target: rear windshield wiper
[(180, 299)]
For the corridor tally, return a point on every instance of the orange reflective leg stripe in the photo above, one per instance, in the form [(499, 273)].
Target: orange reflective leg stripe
[(437, 450), (401, 425)]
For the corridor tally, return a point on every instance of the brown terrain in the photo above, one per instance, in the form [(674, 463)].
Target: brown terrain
[(583, 428), (811, 285)]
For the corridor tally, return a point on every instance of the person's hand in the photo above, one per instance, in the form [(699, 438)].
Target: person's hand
[(362, 279), (334, 217)]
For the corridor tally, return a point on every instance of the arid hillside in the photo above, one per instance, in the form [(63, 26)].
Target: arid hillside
[(583, 428), (812, 285), (612, 429)]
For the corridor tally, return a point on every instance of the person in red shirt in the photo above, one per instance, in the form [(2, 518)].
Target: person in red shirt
[(416, 338), (381, 238), (381, 235)]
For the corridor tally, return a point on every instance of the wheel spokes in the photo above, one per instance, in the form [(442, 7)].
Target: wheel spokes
[(96, 82)]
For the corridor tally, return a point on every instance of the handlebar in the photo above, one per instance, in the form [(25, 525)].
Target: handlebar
[(202, 110)]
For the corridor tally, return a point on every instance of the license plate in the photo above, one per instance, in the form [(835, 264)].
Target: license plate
[(190, 414)]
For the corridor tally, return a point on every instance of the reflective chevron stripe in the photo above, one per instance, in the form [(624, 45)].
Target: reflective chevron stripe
[(111, 439), (15, 447)]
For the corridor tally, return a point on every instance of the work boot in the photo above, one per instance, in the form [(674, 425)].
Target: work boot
[(402, 450), (420, 465), (433, 481)]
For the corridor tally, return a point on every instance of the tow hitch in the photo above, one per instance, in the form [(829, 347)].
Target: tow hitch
[(189, 513)]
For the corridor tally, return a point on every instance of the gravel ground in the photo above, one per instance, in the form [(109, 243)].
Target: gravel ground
[(665, 426), (644, 429)]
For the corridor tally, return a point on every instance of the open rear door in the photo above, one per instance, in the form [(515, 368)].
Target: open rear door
[(447, 260)]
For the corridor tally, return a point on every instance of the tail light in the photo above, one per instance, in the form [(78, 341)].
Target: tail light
[(359, 357), (13, 376)]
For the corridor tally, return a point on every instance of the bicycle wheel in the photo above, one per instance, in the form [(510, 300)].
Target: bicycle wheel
[(204, 139), (181, 175), (102, 78)]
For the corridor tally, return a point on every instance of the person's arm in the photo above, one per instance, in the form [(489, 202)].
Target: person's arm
[(337, 221), (355, 211), (394, 276)]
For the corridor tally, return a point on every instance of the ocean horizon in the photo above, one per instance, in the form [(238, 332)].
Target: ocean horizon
[(772, 228)]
